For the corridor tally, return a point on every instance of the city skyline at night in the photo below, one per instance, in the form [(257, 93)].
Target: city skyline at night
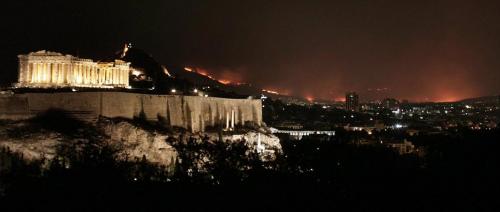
[(420, 51)]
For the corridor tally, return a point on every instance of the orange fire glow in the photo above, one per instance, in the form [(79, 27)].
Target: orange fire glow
[(271, 91), (339, 99), (225, 82)]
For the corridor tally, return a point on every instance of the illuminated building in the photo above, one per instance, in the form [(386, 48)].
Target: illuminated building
[(352, 101), (405, 147), (390, 103), (45, 69)]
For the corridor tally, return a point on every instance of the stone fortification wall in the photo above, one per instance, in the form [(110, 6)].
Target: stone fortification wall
[(191, 112)]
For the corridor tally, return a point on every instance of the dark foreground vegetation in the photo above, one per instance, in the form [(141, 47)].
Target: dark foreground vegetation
[(459, 172)]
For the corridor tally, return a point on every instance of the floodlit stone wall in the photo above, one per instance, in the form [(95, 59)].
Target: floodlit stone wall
[(194, 113)]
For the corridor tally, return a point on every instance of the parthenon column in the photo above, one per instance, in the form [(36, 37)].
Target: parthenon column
[(66, 72), (27, 76), (108, 76), (76, 73), (85, 74), (53, 72), (91, 75), (47, 73), (87, 68), (69, 73), (80, 73), (22, 70), (43, 72), (38, 72), (60, 74), (82, 66), (33, 73)]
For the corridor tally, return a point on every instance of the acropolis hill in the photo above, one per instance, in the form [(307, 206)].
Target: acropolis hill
[(44, 69)]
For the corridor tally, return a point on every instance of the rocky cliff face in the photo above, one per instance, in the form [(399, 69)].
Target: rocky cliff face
[(133, 141)]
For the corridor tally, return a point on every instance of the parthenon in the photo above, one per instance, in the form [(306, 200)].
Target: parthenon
[(44, 69)]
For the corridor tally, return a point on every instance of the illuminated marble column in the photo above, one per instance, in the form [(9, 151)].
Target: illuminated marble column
[(104, 74), (67, 72), (34, 75), (60, 77), (26, 75), (57, 73), (116, 76), (85, 74), (91, 75), (48, 75), (113, 79), (105, 79), (120, 77), (30, 72), (127, 78), (71, 74), (75, 73), (50, 69), (63, 74), (53, 72), (94, 70), (76, 68), (33, 72), (80, 74), (45, 73), (21, 71), (124, 77), (99, 75), (94, 75), (39, 72), (108, 76)]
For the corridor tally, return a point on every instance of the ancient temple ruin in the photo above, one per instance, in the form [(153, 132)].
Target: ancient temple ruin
[(45, 69)]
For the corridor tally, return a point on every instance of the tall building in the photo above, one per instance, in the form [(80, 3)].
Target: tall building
[(352, 101), (390, 103)]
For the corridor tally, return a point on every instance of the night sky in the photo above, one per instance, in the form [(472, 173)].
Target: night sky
[(416, 50)]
